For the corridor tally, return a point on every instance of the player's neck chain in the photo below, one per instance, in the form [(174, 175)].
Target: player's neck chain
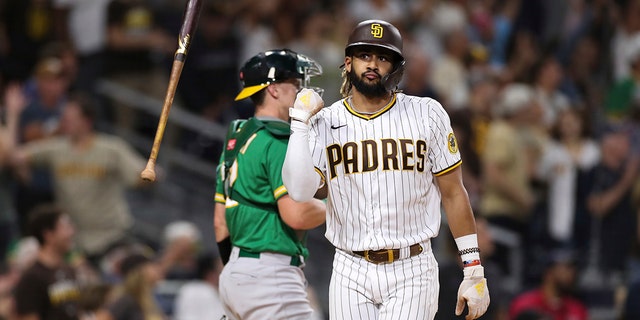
[(353, 106)]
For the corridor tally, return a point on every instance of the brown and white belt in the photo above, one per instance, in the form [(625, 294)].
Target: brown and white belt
[(387, 255)]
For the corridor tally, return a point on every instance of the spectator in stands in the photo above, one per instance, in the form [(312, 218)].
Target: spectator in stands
[(68, 58), (186, 266), (140, 271), (522, 54), (135, 298), (553, 297), (462, 127), (471, 124), (94, 298), (205, 86), (584, 74), (199, 299), (48, 289), (136, 51), (416, 79), (548, 75), (623, 38), (253, 25), (610, 204), (213, 60), (565, 161), (482, 97), (622, 97), (449, 76), (22, 255), (92, 172), (83, 26), (27, 25), (13, 105), (508, 199), (46, 93)]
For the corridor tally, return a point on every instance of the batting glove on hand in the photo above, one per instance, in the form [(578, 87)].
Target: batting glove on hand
[(474, 291), (308, 102)]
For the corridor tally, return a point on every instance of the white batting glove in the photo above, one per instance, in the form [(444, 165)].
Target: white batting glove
[(474, 291), (308, 102)]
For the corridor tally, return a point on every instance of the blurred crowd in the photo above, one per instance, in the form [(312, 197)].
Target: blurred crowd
[(544, 98)]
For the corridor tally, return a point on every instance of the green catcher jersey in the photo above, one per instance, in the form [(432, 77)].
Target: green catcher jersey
[(253, 186)]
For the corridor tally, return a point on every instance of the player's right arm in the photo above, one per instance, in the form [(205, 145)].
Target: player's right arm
[(220, 222), (298, 172), (223, 240)]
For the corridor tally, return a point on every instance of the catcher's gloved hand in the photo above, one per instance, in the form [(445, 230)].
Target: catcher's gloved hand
[(474, 291), (308, 102)]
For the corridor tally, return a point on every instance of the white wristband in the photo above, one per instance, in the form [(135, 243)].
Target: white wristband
[(300, 115), (473, 272), (468, 247)]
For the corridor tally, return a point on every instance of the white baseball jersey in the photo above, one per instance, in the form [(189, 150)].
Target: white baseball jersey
[(380, 170)]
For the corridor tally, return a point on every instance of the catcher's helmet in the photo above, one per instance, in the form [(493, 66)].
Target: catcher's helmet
[(275, 65), (379, 33)]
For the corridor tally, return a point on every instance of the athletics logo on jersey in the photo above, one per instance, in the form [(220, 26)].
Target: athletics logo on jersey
[(377, 30), (231, 144), (452, 144)]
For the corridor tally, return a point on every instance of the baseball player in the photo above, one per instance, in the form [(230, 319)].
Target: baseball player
[(257, 225), (388, 162)]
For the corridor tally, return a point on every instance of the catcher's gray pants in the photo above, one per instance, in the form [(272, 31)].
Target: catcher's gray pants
[(269, 286)]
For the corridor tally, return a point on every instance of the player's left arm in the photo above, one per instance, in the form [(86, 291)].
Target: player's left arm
[(455, 201), (473, 290)]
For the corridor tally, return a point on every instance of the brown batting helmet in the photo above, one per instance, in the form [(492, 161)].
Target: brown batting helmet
[(379, 33)]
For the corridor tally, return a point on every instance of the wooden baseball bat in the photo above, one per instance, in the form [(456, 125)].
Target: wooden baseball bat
[(189, 24)]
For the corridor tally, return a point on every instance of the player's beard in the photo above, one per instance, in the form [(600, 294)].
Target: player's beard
[(369, 90)]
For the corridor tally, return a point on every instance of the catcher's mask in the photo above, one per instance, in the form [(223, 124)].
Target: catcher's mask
[(379, 33), (271, 66)]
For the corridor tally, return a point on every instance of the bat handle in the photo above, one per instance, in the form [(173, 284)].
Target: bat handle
[(149, 173)]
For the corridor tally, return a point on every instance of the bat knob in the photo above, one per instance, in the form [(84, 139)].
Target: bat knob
[(148, 174)]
